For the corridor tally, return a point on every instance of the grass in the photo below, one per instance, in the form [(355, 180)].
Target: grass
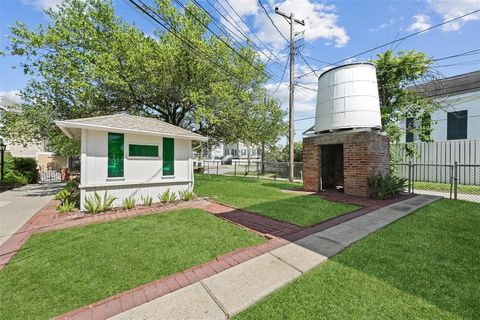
[(445, 187), (59, 271), (266, 198), (425, 266)]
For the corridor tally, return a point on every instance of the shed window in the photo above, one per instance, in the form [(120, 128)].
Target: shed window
[(141, 150), (168, 156), (457, 125), (115, 155)]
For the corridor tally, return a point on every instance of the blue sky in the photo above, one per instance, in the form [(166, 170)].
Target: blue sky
[(334, 30)]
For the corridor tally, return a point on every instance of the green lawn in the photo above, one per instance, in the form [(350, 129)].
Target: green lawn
[(58, 271), (425, 266), (265, 197), (445, 187)]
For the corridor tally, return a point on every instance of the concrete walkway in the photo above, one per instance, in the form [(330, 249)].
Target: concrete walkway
[(227, 293), (446, 195), (17, 206)]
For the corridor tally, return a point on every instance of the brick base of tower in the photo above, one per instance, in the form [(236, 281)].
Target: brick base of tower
[(365, 153)]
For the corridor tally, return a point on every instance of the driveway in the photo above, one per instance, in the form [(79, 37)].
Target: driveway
[(17, 206)]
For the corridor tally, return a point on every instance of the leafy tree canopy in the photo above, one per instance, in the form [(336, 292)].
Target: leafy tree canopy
[(400, 97), (88, 62)]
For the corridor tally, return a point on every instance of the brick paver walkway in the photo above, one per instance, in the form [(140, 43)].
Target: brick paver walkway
[(253, 221)]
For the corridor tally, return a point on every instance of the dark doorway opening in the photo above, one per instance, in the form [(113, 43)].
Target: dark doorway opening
[(331, 161)]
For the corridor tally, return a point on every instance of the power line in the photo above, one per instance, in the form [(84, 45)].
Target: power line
[(238, 30), (467, 53), (315, 59), (222, 40), (271, 20), (308, 64), (186, 42), (283, 75), (397, 40), (251, 30)]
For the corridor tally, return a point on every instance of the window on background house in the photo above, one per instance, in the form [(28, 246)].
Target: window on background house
[(244, 152), (457, 125), (115, 155), (409, 125), (168, 156)]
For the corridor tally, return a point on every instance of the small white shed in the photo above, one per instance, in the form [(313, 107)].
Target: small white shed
[(131, 156)]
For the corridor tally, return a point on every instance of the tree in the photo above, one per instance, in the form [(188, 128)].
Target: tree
[(89, 62), (399, 77)]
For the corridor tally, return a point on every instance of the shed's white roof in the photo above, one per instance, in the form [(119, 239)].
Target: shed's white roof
[(126, 123)]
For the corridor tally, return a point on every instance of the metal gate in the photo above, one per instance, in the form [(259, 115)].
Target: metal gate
[(46, 175), (457, 181)]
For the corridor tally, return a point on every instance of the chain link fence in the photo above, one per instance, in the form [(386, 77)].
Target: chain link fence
[(457, 181), (255, 169)]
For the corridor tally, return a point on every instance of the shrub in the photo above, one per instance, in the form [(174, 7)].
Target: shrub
[(20, 170), (95, 203), (70, 193), (66, 206), (167, 197), (63, 195), (147, 200), (186, 195), (11, 177), (382, 187), (26, 167), (129, 203)]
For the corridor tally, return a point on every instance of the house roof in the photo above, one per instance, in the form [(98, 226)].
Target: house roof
[(126, 123), (463, 83)]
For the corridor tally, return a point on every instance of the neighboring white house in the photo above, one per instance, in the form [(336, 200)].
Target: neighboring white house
[(460, 117), (238, 151), (131, 156)]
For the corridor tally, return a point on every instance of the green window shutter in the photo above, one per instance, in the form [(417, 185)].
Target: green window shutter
[(168, 156), (140, 150), (115, 155)]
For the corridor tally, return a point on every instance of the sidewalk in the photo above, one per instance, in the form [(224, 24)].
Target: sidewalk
[(224, 294), (17, 206)]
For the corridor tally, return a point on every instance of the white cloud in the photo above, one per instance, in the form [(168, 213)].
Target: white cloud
[(320, 22), (42, 4), (385, 24), (242, 7), (421, 22), (305, 99), (450, 9), (12, 95)]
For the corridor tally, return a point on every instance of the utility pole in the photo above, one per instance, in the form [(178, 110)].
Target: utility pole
[(291, 128)]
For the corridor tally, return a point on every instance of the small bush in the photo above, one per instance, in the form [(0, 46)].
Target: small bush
[(26, 167), (11, 177), (70, 193), (129, 203), (382, 187), (95, 204), (167, 197), (66, 206), (147, 200), (63, 195), (20, 170), (186, 195)]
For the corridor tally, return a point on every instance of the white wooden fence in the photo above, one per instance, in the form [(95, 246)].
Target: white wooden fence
[(464, 152)]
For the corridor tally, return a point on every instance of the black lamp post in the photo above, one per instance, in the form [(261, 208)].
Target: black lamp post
[(2, 151)]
